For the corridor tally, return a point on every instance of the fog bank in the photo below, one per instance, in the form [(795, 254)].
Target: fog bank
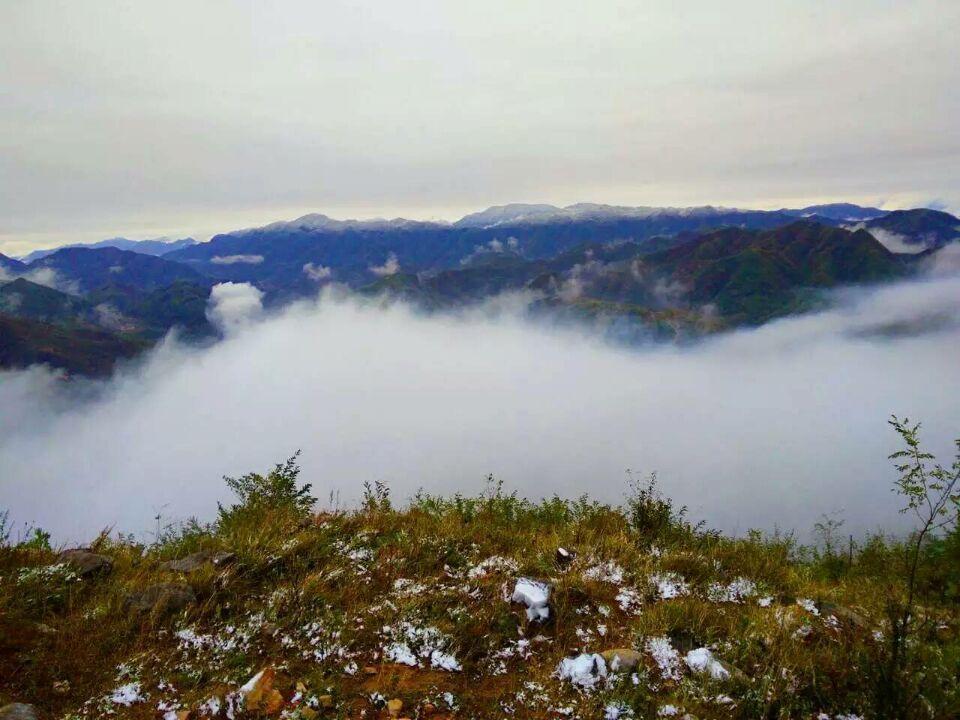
[(759, 428)]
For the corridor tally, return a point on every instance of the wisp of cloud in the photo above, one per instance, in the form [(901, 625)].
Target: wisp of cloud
[(770, 427)]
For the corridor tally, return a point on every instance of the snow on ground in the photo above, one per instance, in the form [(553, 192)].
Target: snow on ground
[(702, 661), (128, 694), (629, 600), (585, 671), (605, 572), (535, 595), (665, 656), (493, 564), (413, 645), (737, 591), (669, 585)]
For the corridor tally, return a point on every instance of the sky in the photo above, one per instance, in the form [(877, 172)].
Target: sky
[(183, 118)]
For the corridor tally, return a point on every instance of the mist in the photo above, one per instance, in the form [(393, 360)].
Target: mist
[(763, 428)]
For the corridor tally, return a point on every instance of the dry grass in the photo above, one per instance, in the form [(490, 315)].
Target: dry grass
[(321, 598)]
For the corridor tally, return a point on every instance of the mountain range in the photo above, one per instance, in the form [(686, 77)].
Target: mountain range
[(157, 246), (640, 274)]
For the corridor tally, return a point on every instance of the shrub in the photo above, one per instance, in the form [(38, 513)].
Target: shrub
[(278, 490)]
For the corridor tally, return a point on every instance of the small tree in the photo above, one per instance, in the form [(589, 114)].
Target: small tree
[(277, 490), (932, 495)]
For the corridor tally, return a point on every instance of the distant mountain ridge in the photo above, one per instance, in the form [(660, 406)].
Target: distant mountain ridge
[(92, 268), (11, 264), (922, 227), (639, 273), (157, 247)]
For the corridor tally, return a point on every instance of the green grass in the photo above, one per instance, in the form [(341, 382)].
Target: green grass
[(320, 597)]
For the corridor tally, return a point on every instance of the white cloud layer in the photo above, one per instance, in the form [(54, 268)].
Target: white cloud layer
[(233, 305), (761, 428)]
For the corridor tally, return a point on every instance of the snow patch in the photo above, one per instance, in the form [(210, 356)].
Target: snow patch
[(585, 671), (702, 661), (535, 595)]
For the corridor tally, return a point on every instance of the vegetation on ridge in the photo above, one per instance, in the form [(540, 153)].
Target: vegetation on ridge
[(406, 612)]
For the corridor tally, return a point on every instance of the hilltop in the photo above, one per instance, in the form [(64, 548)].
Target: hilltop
[(477, 607)]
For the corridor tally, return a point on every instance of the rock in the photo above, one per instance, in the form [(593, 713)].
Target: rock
[(61, 687), (325, 701), (162, 598), (197, 560), (622, 659), (844, 615), (564, 557), (259, 695), (86, 563), (733, 671), (18, 711), (394, 707)]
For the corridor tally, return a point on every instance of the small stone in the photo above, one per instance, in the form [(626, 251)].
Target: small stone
[(85, 562), (61, 687), (325, 701), (161, 599), (845, 615), (18, 711), (197, 560), (394, 707), (733, 671), (259, 694), (622, 659), (223, 558), (564, 557)]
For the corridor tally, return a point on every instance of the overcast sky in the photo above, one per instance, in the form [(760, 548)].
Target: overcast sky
[(153, 118)]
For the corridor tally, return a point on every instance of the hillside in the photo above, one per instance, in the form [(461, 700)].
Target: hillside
[(275, 255), (752, 276), (462, 607), (9, 264), (920, 226), (32, 301), (747, 276), (81, 350), (90, 269)]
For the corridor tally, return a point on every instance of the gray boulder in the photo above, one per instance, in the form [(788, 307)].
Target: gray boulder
[(85, 562), (161, 599), (622, 659), (197, 560)]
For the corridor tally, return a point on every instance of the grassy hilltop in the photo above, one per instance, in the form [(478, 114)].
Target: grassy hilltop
[(276, 610)]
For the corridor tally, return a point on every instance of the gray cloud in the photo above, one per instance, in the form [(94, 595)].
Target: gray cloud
[(107, 126), (758, 428)]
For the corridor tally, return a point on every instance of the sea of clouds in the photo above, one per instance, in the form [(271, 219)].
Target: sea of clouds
[(768, 427)]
